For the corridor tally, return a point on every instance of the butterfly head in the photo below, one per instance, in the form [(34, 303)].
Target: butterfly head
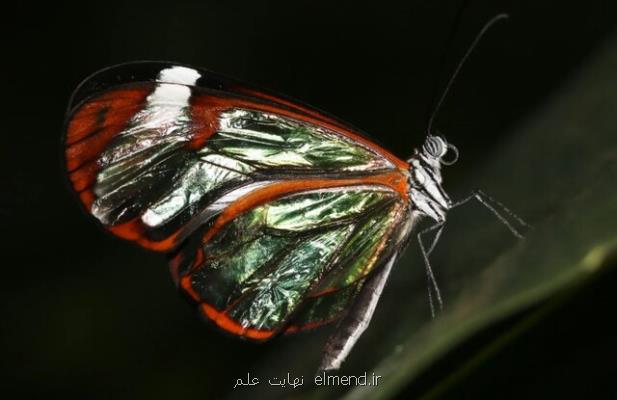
[(425, 191)]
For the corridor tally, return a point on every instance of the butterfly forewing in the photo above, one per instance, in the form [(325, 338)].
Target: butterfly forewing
[(274, 212)]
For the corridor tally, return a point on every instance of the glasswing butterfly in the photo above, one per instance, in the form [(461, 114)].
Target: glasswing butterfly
[(277, 217)]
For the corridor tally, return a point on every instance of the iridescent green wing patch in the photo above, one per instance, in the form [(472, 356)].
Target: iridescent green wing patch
[(373, 238), (371, 244), (272, 298), (273, 142), (318, 311), (259, 270)]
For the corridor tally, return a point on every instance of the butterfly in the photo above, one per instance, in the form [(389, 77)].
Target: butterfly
[(277, 217)]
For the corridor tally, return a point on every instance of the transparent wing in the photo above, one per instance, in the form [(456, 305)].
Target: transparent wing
[(151, 159), (264, 270)]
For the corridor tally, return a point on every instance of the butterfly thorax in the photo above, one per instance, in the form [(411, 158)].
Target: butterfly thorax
[(425, 191)]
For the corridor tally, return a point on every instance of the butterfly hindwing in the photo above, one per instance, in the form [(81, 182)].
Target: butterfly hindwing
[(262, 267)]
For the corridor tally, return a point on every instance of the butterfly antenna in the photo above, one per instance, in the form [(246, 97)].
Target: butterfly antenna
[(473, 45), (447, 49)]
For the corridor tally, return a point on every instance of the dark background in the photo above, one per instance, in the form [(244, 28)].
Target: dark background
[(85, 314)]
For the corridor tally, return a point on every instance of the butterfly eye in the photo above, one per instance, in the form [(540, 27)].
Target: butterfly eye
[(434, 146)]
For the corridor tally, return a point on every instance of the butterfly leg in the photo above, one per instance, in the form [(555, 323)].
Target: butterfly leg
[(355, 322), (430, 276), (486, 201)]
